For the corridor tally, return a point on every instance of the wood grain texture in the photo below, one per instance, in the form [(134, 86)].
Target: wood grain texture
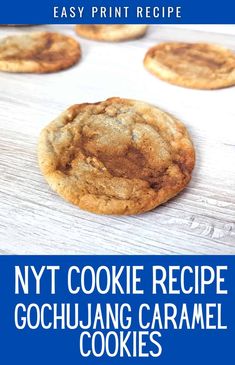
[(34, 220)]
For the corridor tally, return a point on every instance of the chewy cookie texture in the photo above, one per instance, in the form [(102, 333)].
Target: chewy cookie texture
[(193, 65), (118, 156), (38, 52), (111, 33)]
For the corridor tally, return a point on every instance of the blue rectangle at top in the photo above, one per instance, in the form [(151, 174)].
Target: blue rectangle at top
[(122, 11)]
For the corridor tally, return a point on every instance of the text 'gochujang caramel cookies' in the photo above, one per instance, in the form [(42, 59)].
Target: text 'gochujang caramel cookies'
[(38, 52), (111, 33), (193, 65), (118, 156)]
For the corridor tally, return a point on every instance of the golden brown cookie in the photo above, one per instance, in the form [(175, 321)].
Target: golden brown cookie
[(193, 65), (38, 52), (111, 33), (118, 156)]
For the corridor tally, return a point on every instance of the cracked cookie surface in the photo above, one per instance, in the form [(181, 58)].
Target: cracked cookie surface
[(38, 52), (112, 33), (193, 65), (118, 156)]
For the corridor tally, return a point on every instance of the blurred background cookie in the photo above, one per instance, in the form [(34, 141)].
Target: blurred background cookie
[(38, 52), (111, 33), (193, 65), (118, 156)]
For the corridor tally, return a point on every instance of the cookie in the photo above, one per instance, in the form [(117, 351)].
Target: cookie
[(38, 52), (118, 156), (111, 33), (193, 65)]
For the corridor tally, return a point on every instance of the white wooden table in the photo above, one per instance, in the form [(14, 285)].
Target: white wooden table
[(34, 220)]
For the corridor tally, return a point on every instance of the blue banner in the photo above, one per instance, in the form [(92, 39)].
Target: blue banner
[(108, 310), (122, 11)]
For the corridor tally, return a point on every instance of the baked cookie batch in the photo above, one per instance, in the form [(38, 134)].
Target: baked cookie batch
[(118, 156)]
